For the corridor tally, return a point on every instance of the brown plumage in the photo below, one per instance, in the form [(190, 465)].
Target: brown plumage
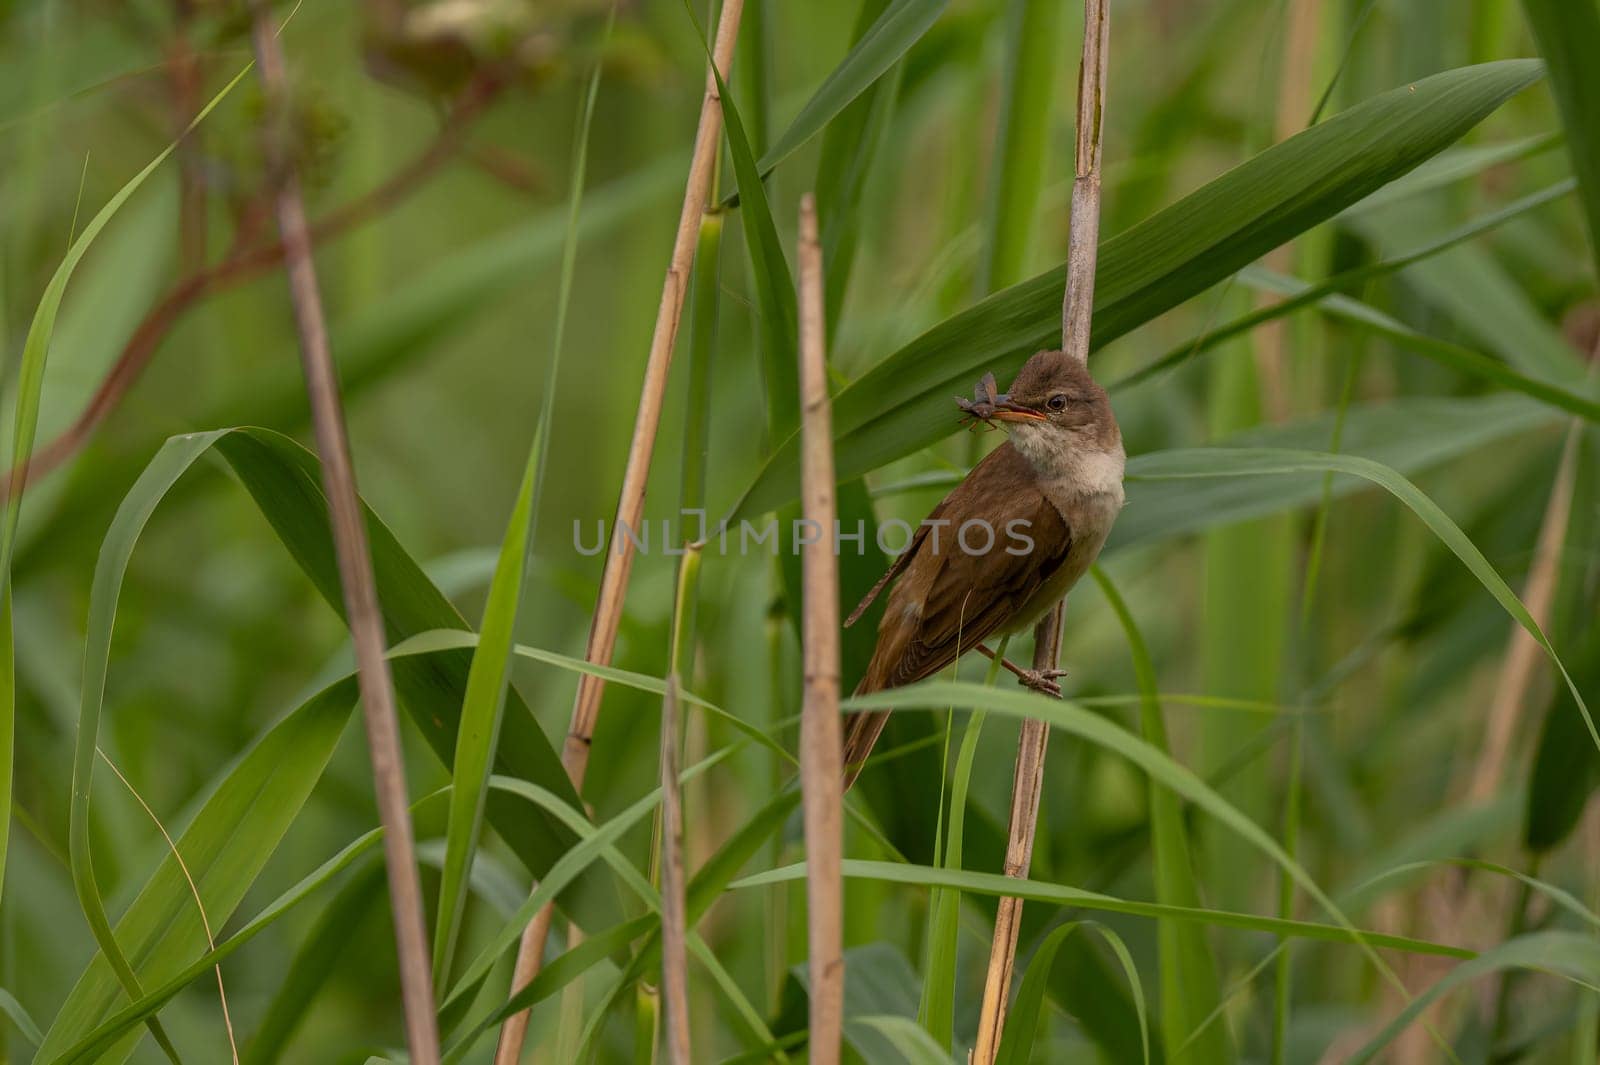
[(1036, 511)]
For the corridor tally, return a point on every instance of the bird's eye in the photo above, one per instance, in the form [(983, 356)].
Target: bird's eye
[(1058, 401)]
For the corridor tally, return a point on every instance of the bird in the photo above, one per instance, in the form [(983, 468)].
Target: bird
[(1008, 542)]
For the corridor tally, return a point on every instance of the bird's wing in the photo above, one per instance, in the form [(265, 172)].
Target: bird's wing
[(901, 561), (937, 612)]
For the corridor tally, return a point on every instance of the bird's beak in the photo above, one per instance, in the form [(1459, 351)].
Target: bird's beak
[(1007, 411)]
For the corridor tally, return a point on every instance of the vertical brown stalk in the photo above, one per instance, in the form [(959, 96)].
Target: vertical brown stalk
[(1026, 789), (1077, 309), (353, 553), (1523, 654), (821, 749), (1293, 105), (630, 502)]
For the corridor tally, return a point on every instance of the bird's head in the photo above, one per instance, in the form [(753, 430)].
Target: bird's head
[(1054, 402)]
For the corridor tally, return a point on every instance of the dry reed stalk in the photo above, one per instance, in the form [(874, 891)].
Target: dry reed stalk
[(1523, 654), (1293, 105), (1464, 908), (1027, 786), (194, 892), (630, 501), (1077, 309), (821, 742), (353, 553)]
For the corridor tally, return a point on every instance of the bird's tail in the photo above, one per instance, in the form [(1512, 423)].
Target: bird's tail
[(861, 731)]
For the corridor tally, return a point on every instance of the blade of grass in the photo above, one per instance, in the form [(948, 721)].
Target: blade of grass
[(483, 706), (1457, 164), (194, 892), (584, 1044), (706, 887), (1230, 462), (1188, 973), (705, 305), (769, 271), (851, 144), (1476, 291), (890, 37), (481, 713), (226, 846), (313, 963), (996, 885), (19, 1017), (596, 843), (1568, 35), (110, 569), (1571, 956), (1016, 1047), (1029, 71), (1462, 359), (30, 386), (1340, 282), (702, 891), (903, 403), (937, 1009), (282, 478)]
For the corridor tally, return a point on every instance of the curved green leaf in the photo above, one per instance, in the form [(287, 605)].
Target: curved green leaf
[(30, 386), (994, 884), (1189, 988), (1406, 435), (1460, 358), (327, 941), (483, 705), (283, 478), (1231, 462), (1565, 954), (889, 38), (1451, 355), (224, 849), (903, 404), (19, 1017), (774, 285), (1022, 1022), (1568, 33)]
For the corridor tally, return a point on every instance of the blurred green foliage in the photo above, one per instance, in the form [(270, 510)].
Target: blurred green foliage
[(443, 302)]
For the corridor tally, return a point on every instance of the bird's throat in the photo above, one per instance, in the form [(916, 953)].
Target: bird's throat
[(1066, 466)]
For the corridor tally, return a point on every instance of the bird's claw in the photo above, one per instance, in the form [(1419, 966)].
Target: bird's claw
[(1042, 681)]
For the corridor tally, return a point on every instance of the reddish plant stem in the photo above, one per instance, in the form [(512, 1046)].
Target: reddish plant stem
[(249, 260), (183, 74)]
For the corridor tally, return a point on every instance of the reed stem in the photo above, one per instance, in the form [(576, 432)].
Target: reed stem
[(362, 611), (1077, 308), (821, 742), (630, 502)]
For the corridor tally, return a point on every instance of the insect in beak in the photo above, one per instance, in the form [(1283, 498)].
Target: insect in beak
[(981, 408)]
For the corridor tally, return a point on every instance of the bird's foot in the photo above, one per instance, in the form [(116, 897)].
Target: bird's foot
[(1042, 681)]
